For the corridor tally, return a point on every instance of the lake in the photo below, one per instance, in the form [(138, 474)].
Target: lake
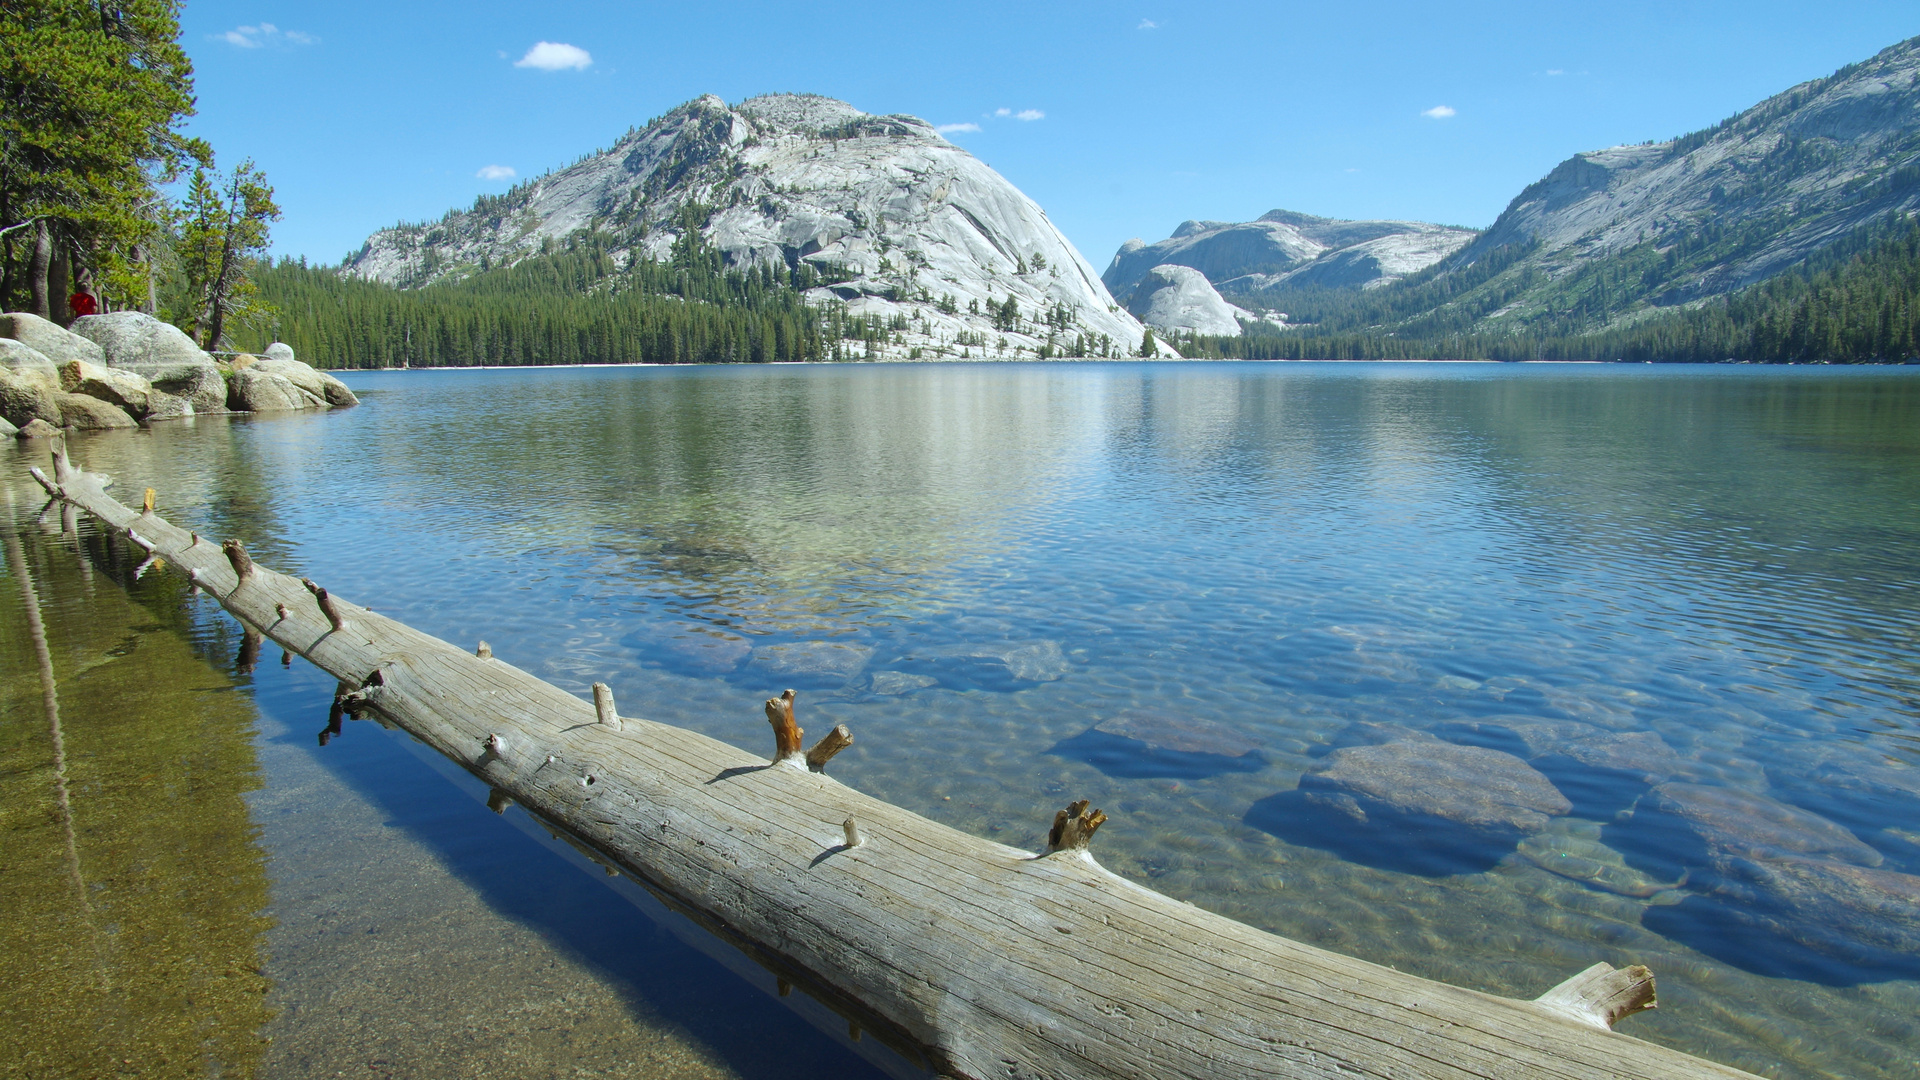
[(1288, 624)]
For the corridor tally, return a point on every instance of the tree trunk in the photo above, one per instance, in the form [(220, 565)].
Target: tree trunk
[(973, 958), (60, 281), (37, 268)]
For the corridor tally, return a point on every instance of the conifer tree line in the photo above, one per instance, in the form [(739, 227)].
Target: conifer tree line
[(1856, 301), (95, 94)]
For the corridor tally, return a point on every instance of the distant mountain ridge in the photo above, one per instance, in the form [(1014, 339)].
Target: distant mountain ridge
[(905, 227), (1284, 248)]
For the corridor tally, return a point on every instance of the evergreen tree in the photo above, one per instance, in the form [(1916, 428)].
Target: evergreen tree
[(222, 231), (95, 92)]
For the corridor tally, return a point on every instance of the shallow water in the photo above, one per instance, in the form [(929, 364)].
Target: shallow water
[(974, 565)]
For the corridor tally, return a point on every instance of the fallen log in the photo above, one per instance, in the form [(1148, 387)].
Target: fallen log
[(977, 959)]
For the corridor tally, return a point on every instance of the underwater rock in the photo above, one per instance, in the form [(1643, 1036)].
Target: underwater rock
[(1694, 824), (1479, 790), (1137, 745), (993, 665), (833, 662), (1418, 806), (900, 682), (1583, 858)]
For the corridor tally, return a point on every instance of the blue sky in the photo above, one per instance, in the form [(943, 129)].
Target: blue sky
[(1138, 115)]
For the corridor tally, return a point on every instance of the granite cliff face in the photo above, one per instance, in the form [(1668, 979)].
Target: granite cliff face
[(905, 224), (1283, 248), (1180, 299), (1708, 213)]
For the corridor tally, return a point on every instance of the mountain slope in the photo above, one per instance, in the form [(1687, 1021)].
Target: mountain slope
[(1617, 234), (903, 226), (1283, 249)]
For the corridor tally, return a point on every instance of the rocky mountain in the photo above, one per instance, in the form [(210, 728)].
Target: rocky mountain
[(1612, 236), (1283, 249), (1179, 298), (902, 225)]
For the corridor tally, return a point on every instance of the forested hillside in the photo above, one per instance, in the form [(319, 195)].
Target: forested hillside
[(571, 305), (1857, 301)]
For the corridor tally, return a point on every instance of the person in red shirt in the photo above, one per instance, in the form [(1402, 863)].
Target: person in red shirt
[(82, 303)]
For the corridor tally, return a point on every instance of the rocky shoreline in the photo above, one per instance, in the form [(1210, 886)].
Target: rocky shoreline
[(128, 369)]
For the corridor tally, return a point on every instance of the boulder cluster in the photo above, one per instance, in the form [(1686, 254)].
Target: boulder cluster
[(127, 369)]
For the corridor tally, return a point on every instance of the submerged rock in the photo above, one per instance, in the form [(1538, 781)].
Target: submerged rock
[(997, 665), (7, 429), (37, 429), (1601, 770), (1694, 824), (695, 646), (1483, 791), (1418, 806), (830, 661), (889, 683), (1579, 857), (1151, 744)]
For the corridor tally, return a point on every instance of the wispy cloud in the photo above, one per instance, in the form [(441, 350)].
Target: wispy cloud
[(1556, 71), (554, 56), (1029, 114), (1003, 112), (1147, 24), (496, 172), (263, 35), (1438, 112), (949, 129)]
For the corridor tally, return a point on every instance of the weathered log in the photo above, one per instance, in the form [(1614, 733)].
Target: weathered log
[(978, 959), (1602, 996)]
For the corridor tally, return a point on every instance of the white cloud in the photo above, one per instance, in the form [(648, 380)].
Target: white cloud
[(254, 37), (1147, 24), (1029, 114), (1556, 71), (948, 129), (1438, 112), (496, 172), (553, 56), (1003, 112)]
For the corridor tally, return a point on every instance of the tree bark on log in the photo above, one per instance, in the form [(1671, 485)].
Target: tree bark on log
[(978, 959)]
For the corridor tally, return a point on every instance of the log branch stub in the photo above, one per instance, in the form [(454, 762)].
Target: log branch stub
[(242, 562), (484, 652), (497, 746), (195, 542), (139, 541), (1602, 996), (786, 733), (603, 705), (327, 606), (854, 839), (146, 505), (1073, 828), (53, 489), (280, 610), (830, 744)]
